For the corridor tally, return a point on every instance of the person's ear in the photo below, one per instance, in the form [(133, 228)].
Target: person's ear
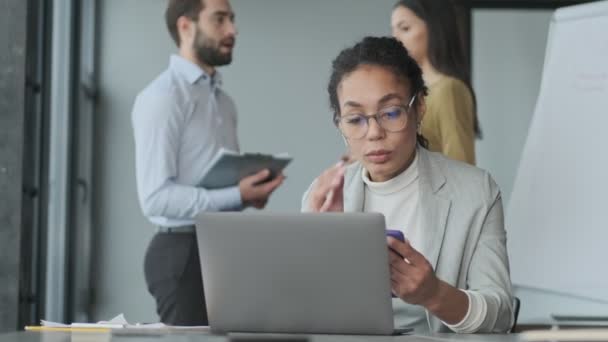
[(186, 29)]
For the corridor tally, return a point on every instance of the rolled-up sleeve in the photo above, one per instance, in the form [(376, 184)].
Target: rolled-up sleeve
[(475, 315)]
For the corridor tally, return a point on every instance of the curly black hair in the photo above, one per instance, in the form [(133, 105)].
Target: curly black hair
[(380, 51)]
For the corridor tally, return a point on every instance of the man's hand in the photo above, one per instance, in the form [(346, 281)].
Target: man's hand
[(254, 193)]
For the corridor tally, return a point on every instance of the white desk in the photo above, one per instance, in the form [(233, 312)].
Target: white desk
[(202, 337)]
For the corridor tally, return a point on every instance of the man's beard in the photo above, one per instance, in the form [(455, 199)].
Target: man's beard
[(208, 50)]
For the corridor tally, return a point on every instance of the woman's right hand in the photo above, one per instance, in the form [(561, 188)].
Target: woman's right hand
[(327, 194)]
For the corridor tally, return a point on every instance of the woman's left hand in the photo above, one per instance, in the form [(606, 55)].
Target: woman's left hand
[(412, 276)]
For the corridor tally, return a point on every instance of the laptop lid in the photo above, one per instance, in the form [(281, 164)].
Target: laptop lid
[(296, 273)]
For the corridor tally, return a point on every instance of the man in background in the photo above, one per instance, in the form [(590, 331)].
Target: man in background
[(180, 121)]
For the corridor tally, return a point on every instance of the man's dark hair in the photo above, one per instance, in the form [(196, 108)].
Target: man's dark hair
[(379, 51), (445, 46), (179, 8)]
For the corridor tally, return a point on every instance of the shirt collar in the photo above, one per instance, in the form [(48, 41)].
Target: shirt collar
[(192, 72)]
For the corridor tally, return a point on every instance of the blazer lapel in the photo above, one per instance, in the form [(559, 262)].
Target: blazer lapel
[(434, 208)]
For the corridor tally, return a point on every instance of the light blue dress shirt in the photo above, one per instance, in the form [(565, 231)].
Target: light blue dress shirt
[(180, 122)]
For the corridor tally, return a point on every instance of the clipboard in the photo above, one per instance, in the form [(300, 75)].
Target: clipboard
[(229, 167)]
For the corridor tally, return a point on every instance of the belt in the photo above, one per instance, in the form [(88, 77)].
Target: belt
[(176, 230)]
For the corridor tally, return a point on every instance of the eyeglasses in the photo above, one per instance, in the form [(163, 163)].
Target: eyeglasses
[(391, 119)]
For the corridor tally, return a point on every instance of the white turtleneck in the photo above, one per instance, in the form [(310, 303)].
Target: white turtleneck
[(398, 200)]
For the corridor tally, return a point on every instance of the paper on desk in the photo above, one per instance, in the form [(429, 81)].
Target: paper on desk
[(120, 322), (115, 323), (53, 324), (120, 319)]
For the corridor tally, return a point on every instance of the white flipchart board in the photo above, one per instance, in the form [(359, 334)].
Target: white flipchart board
[(557, 219)]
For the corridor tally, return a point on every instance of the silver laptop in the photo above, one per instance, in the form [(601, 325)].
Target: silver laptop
[(296, 273)]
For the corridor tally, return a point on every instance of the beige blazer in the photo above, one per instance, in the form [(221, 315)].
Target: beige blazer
[(465, 238)]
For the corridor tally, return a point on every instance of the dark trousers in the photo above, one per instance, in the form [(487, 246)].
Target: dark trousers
[(173, 274)]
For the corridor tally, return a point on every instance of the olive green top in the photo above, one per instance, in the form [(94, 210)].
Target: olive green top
[(448, 121)]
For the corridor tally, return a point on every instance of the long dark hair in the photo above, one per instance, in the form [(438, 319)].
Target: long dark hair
[(381, 51), (445, 46)]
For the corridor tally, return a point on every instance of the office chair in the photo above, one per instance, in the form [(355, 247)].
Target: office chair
[(516, 305)]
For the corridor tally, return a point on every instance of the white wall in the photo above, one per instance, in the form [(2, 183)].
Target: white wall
[(508, 56), (278, 80), (133, 47)]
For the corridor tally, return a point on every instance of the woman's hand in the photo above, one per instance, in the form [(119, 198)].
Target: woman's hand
[(412, 276), (327, 194), (414, 281)]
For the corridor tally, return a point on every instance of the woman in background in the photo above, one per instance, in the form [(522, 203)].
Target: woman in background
[(428, 29)]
